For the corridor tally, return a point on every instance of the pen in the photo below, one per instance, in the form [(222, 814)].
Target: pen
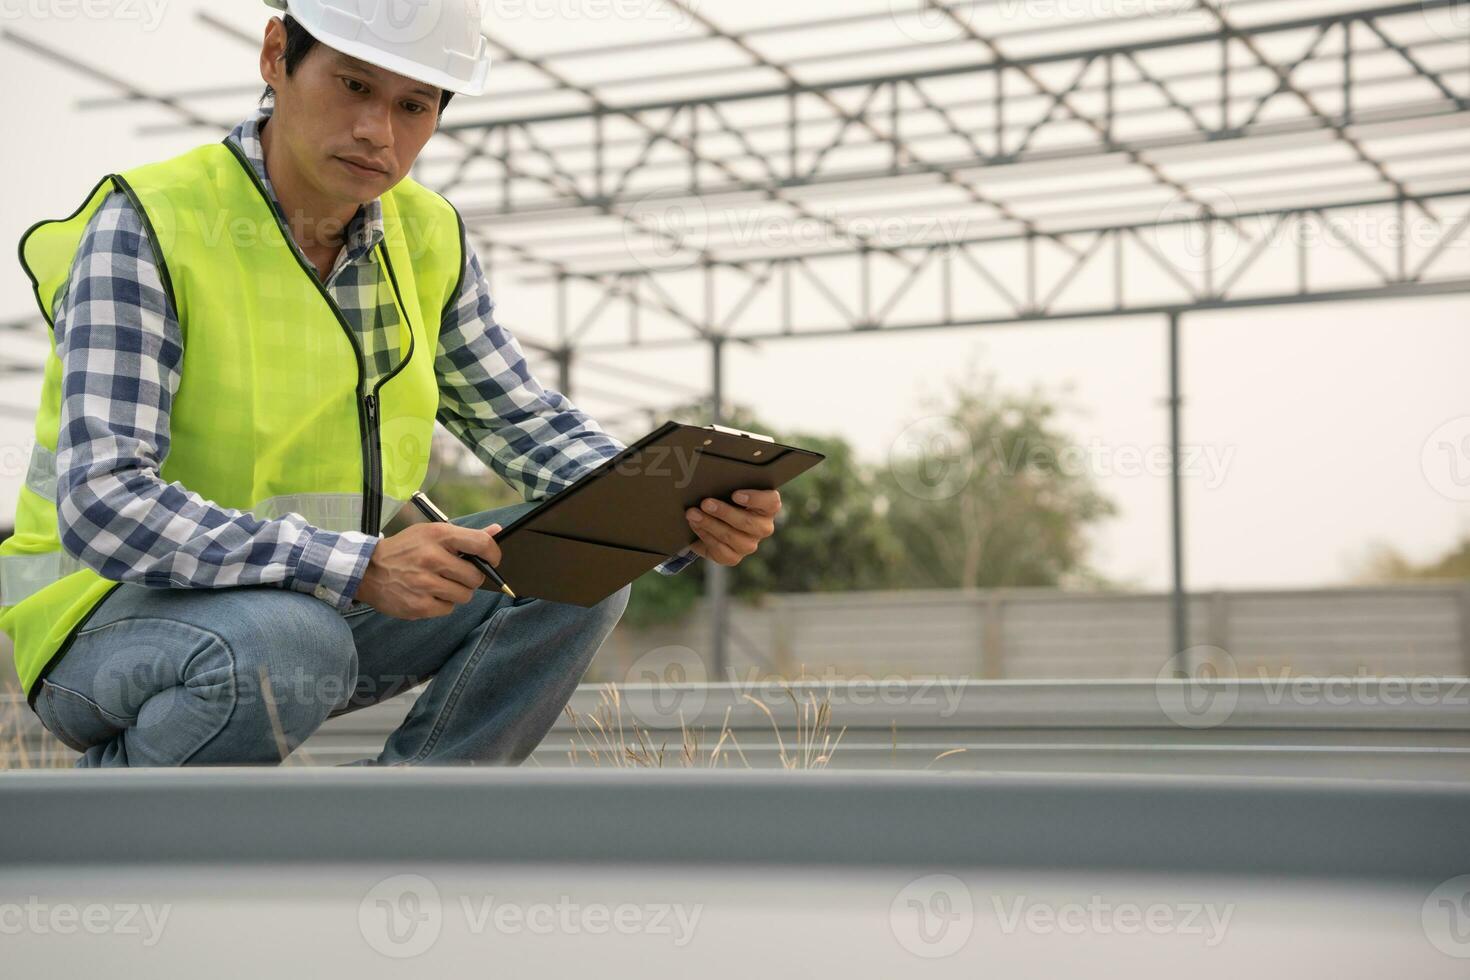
[(427, 508)]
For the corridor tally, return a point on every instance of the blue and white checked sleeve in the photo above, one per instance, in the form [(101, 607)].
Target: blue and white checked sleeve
[(533, 437), (120, 347)]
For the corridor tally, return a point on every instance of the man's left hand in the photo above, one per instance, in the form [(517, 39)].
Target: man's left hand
[(728, 533)]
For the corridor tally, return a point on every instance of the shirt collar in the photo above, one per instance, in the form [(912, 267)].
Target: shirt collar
[(365, 229)]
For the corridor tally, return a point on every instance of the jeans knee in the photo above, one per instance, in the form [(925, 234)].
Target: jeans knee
[(295, 660), (613, 607)]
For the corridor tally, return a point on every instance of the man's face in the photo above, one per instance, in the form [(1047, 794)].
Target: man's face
[(353, 130)]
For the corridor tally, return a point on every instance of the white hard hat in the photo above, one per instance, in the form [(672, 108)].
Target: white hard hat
[(435, 41)]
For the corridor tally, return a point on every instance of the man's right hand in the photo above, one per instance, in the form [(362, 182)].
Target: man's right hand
[(418, 574)]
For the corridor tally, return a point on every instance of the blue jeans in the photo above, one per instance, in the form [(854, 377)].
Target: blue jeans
[(168, 677)]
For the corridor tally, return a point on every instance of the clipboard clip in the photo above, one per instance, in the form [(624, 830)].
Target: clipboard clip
[(740, 432)]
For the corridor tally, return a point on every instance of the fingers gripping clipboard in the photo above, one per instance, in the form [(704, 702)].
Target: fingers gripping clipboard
[(623, 518)]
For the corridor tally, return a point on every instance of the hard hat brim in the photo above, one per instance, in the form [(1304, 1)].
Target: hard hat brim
[(406, 67)]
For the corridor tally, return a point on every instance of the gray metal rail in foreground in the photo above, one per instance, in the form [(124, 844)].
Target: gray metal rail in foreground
[(1331, 727), (517, 816), (1346, 727)]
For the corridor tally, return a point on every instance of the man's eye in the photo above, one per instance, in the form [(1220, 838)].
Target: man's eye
[(353, 85), (414, 107)]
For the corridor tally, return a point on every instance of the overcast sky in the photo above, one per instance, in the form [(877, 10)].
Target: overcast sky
[(1314, 430)]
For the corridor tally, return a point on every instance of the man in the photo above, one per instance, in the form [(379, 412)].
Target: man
[(253, 341)]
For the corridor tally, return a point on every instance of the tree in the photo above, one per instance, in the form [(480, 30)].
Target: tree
[(1385, 563), (982, 494)]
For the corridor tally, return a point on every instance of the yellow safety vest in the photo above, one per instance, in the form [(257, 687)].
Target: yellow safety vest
[(273, 414)]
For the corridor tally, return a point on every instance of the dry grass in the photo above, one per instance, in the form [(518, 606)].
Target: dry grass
[(24, 743), (606, 738)]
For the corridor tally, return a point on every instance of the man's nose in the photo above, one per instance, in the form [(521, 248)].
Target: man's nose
[(374, 125)]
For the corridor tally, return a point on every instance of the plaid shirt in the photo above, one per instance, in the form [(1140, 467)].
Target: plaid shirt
[(121, 347)]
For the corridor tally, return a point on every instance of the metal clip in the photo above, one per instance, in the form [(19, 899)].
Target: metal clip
[(740, 432)]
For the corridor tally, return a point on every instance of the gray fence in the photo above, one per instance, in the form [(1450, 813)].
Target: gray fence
[(1411, 630), (1024, 634)]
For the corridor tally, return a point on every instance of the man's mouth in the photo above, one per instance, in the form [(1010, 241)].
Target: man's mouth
[(362, 168)]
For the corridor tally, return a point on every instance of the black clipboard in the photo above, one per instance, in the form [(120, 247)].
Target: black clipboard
[(623, 518)]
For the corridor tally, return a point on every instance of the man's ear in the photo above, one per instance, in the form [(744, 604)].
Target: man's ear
[(273, 53)]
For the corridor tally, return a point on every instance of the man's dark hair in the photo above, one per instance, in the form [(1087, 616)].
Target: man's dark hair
[(299, 43)]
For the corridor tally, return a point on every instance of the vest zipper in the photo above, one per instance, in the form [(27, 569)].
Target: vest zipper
[(372, 492)]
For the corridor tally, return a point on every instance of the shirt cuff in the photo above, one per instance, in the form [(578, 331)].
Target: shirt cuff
[(330, 565), (676, 563)]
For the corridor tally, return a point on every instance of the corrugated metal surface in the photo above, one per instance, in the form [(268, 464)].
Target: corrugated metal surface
[(1298, 729)]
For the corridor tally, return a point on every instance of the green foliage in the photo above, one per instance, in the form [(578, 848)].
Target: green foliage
[(1386, 564), (985, 493), (985, 499)]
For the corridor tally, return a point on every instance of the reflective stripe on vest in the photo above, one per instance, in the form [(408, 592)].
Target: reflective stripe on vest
[(41, 473), (24, 575)]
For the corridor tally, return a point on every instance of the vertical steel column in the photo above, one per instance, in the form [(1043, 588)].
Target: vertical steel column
[(564, 371), (1176, 499), (715, 574)]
